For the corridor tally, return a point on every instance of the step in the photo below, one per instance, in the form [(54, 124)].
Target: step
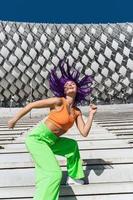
[(93, 174), (20, 139), (122, 131), (93, 197), (82, 145), (11, 132), (5, 126), (112, 156), (107, 120), (90, 190), (116, 124), (99, 197), (6, 129), (100, 153), (12, 140), (112, 123), (120, 128)]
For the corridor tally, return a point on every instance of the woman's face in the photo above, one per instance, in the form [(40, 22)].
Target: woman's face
[(70, 87)]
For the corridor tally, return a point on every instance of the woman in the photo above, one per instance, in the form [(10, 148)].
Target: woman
[(44, 141)]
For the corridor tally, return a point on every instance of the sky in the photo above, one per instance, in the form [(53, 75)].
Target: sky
[(70, 11)]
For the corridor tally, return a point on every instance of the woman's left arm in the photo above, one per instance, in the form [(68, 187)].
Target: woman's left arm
[(83, 127)]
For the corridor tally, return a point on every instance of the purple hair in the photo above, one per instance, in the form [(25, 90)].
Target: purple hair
[(57, 84)]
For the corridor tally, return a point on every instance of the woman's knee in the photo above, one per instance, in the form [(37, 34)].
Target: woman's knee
[(74, 144)]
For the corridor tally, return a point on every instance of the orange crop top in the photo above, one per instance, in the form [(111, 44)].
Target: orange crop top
[(61, 118)]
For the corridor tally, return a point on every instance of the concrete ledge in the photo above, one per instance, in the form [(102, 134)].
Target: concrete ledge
[(9, 112)]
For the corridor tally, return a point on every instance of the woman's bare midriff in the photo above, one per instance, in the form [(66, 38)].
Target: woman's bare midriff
[(58, 132)]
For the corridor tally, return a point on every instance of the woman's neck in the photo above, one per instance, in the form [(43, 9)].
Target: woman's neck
[(70, 101)]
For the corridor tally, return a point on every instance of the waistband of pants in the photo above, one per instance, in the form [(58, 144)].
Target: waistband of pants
[(48, 132)]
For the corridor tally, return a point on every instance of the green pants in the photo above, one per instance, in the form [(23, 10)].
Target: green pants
[(43, 144)]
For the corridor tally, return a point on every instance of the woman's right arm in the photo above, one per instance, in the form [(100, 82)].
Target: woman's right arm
[(37, 104), (21, 113)]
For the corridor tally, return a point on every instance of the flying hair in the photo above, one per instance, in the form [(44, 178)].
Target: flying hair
[(57, 83)]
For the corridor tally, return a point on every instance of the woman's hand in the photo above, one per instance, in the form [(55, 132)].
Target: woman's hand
[(11, 123), (93, 108)]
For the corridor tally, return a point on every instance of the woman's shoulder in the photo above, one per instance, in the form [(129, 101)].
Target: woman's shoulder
[(59, 100), (77, 110)]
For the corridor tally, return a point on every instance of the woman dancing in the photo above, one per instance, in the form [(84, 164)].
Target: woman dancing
[(44, 141)]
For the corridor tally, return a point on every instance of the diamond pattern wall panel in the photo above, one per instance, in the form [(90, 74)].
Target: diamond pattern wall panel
[(28, 51)]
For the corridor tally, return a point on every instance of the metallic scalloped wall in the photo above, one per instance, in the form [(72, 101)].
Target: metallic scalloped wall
[(29, 50)]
